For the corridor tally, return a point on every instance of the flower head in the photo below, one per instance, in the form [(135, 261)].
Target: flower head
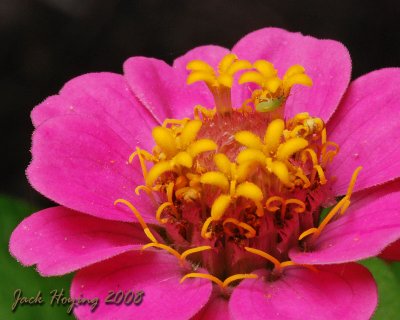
[(203, 184)]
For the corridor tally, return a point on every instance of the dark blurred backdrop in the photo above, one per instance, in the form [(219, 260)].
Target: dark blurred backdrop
[(44, 43)]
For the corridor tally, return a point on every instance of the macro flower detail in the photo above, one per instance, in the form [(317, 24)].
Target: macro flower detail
[(206, 184)]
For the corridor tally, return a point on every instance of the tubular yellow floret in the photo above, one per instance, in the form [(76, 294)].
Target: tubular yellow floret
[(219, 206), (251, 76), (290, 147), (194, 250), (265, 255), (301, 79), (157, 170), (226, 62), (273, 134), (266, 68), (203, 276), (164, 247), (165, 140), (239, 276), (200, 146), (252, 155), (249, 190), (281, 171), (223, 164), (237, 66), (196, 76), (183, 159), (295, 69), (199, 65), (189, 132), (215, 178), (248, 139), (139, 218)]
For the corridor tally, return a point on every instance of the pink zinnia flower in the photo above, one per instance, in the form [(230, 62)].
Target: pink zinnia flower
[(226, 218)]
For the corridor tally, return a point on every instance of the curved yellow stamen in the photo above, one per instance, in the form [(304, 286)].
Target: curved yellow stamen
[(160, 211), (239, 276), (304, 178), (301, 205), (294, 264), (189, 132), (203, 276), (331, 214), (312, 155), (194, 250), (204, 230), (206, 113), (307, 233), (271, 200), (164, 247), (353, 181), (251, 232), (165, 140), (265, 255), (249, 190), (180, 122), (144, 188), (157, 170), (138, 217), (321, 174)]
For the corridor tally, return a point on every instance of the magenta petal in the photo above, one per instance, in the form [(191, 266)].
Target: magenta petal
[(391, 252), (326, 61), (155, 273), (162, 89), (345, 291), (82, 164), (366, 127), (217, 308), (371, 223), (60, 240), (106, 97)]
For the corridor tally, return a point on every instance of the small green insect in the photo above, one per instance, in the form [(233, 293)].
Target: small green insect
[(270, 104)]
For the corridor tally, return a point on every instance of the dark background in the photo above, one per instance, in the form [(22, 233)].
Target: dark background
[(44, 43)]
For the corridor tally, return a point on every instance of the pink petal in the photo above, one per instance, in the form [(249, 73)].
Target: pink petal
[(155, 273), (327, 62), (392, 252), (345, 291), (366, 127), (60, 240), (371, 223), (82, 164), (217, 308), (106, 97), (163, 89)]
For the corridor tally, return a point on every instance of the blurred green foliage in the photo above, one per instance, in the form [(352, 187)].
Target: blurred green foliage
[(14, 276)]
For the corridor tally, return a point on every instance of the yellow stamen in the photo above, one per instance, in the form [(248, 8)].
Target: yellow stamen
[(295, 69), (251, 233), (312, 155), (196, 76), (206, 113), (203, 276), (204, 230), (219, 207), (180, 122), (281, 171), (265, 255), (266, 68), (321, 174), (199, 65), (183, 159), (251, 76), (294, 264), (239, 276), (301, 205), (272, 199), (138, 217), (164, 247), (160, 211), (194, 250), (144, 188), (215, 178), (307, 233), (353, 182)]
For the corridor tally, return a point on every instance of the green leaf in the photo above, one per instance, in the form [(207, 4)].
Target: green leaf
[(387, 277), (15, 276)]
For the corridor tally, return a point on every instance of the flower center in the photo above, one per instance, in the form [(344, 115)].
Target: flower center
[(238, 188)]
